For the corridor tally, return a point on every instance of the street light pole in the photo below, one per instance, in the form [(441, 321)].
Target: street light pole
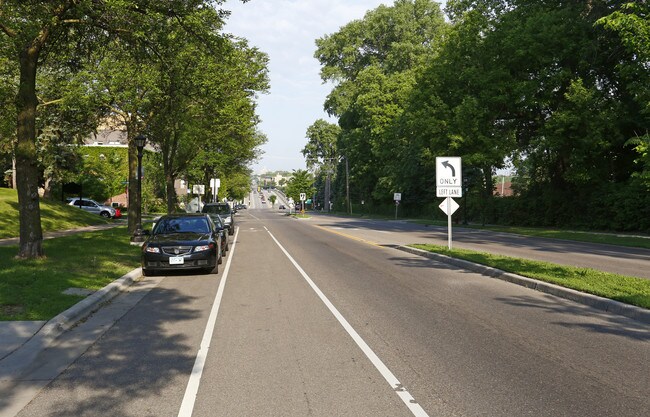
[(140, 142), (347, 185)]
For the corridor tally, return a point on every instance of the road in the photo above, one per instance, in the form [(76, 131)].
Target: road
[(319, 317)]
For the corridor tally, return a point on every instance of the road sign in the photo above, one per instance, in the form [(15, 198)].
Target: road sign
[(397, 196), (449, 176), (449, 206), (303, 196), (449, 192), (198, 189)]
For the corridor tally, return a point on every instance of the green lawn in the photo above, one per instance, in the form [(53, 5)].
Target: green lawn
[(32, 289), (54, 215), (630, 290)]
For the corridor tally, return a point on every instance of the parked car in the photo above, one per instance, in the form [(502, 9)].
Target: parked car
[(224, 211), (94, 207), (218, 222), (182, 241), (282, 207)]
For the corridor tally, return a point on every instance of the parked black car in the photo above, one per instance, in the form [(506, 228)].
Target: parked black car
[(224, 211), (218, 222), (182, 241)]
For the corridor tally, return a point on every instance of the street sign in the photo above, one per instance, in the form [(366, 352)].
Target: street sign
[(397, 196), (449, 192), (449, 176), (198, 189), (303, 196), (449, 206)]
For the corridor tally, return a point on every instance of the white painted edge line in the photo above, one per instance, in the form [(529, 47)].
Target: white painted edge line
[(187, 406), (395, 384)]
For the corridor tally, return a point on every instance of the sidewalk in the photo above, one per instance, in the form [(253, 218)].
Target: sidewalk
[(21, 341)]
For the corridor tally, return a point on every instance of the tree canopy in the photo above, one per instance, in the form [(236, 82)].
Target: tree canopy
[(163, 68), (560, 92)]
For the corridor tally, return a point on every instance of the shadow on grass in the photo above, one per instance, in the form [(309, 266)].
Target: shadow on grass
[(85, 260)]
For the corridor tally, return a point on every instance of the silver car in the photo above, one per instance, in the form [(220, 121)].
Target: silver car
[(94, 207)]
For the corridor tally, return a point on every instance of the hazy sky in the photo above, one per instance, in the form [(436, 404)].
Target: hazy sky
[(286, 30)]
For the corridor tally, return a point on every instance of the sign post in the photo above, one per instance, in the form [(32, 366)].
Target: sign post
[(215, 183), (198, 189), (397, 197), (449, 206), (303, 197), (449, 183)]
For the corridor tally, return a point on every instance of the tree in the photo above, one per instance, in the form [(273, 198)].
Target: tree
[(34, 34), (373, 63), (301, 182), (272, 199)]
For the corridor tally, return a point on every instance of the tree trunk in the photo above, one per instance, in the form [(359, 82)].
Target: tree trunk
[(134, 198), (31, 234), (171, 194)]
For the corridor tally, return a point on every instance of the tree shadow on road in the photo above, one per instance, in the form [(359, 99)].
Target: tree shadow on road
[(140, 359)]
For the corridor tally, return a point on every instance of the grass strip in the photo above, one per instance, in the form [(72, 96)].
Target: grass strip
[(33, 289), (54, 215), (626, 289), (579, 236)]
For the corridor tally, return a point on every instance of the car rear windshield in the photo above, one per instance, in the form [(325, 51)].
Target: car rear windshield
[(181, 225), (217, 209)]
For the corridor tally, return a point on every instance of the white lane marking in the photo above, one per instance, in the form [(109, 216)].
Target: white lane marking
[(397, 386), (187, 406)]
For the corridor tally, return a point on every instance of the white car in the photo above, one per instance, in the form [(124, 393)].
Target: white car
[(94, 207)]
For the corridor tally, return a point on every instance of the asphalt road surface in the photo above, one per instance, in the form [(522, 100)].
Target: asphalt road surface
[(319, 317)]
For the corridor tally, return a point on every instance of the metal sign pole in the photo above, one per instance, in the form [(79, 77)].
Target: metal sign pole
[(449, 222)]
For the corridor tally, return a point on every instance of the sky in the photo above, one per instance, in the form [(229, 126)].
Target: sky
[(286, 30)]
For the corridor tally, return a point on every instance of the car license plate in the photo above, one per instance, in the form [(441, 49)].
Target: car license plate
[(176, 260)]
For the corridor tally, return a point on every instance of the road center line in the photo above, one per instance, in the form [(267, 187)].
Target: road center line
[(336, 232), (397, 386), (187, 406)]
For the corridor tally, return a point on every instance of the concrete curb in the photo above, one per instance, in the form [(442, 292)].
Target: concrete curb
[(22, 358), (604, 304)]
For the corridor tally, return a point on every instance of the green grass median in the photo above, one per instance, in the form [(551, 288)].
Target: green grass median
[(619, 239), (33, 289), (626, 289)]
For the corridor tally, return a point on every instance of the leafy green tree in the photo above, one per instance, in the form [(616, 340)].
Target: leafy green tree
[(34, 35), (301, 182), (272, 199), (373, 63), (632, 24)]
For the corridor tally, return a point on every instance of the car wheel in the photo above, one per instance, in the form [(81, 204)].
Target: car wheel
[(220, 260), (231, 230), (148, 272), (105, 214)]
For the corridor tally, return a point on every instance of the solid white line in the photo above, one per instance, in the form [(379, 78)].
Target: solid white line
[(406, 397), (187, 406)]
